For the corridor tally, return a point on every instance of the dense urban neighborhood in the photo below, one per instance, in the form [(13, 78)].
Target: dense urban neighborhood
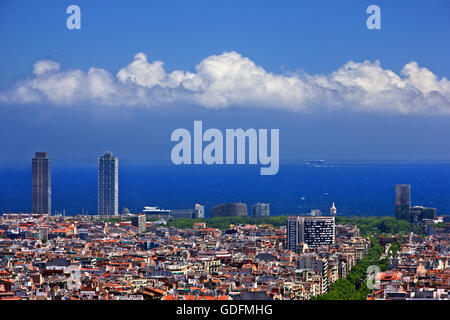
[(136, 257)]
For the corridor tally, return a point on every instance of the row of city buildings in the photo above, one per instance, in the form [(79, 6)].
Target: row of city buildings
[(236, 209), (89, 257), (108, 196), (82, 257)]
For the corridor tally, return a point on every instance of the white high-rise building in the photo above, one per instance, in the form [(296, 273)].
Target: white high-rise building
[(108, 185)]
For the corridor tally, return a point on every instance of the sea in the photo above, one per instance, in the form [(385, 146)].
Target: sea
[(361, 189)]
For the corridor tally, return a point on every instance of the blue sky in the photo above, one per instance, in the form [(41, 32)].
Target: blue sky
[(283, 37), (317, 36)]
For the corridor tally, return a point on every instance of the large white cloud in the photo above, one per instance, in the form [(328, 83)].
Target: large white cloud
[(231, 80), (43, 66)]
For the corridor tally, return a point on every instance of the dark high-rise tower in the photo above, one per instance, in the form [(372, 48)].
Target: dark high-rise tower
[(41, 184), (108, 184), (292, 233), (403, 201)]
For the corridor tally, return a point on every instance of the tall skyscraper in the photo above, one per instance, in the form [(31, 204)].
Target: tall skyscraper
[(403, 201), (261, 210), (108, 185), (41, 184)]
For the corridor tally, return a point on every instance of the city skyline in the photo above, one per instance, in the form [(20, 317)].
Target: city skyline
[(270, 152), (205, 199)]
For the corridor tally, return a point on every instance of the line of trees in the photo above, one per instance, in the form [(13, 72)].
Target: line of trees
[(372, 226), (368, 226), (223, 223)]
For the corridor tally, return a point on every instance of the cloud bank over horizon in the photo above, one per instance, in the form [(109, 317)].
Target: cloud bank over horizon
[(230, 80)]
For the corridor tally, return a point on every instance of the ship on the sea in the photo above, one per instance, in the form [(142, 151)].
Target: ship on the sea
[(314, 163)]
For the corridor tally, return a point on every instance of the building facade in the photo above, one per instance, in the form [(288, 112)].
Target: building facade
[(315, 263), (196, 213), (182, 213), (419, 213), (316, 231), (108, 185), (41, 184), (140, 222)]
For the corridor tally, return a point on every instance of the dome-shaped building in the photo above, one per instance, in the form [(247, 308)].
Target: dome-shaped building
[(236, 209)]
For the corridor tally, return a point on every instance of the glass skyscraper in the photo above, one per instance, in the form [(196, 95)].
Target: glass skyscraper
[(108, 185), (41, 187)]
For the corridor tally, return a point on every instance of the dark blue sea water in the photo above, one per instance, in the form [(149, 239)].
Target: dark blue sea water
[(359, 189)]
